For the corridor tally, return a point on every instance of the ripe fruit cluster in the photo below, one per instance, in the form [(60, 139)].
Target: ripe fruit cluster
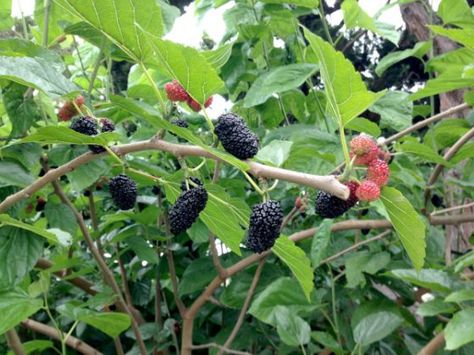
[(124, 191), (69, 110), (365, 151), (236, 137), (88, 126), (176, 92), (264, 227), (187, 208)]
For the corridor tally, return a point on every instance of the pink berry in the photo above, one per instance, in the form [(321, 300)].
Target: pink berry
[(175, 91), (378, 172), (194, 105), (368, 191), (364, 148), (208, 102)]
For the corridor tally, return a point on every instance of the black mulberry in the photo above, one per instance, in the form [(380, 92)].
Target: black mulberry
[(106, 125), (265, 224), (236, 137), (194, 180), (180, 123), (186, 210), (85, 125), (330, 206), (123, 191)]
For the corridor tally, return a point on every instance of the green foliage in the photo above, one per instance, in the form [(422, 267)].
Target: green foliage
[(306, 86)]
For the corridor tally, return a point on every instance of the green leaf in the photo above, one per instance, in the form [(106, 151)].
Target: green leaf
[(360, 262), (111, 323), (282, 292), (35, 346), (463, 36), (65, 135), (37, 73), (16, 307), (48, 235), (22, 109), (423, 151), (227, 229), (460, 329), (19, 251), (292, 329), (86, 174), (135, 27), (467, 151), (434, 307), (456, 12), (418, 51), (16, 47), (435, 280), (464, 261), (197, 276), (219, 56), (320, 242), (376, 326), (460, 296), (394, 109), (277, 80), (407, 223), (355, 16), (60, 216), (361, 124), (12, 174), (347, 95), (295, 258), (326, 339), (275, 153), (6, 20)]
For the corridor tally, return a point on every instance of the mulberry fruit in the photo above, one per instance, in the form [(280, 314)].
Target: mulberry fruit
[(106, 125), (364, 148), (124, 191), (84, 125), (180, 123), (175, 91), (187, 208), (236, 137), (196, 106), (368, 191), (194, 180), (378, 172), (265, 224), (330, 206)]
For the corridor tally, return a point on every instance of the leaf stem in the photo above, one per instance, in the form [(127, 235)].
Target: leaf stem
[(155, 88), (254, 185), (325, 24)]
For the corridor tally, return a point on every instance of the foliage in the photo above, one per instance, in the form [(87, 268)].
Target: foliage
[(380, 279)]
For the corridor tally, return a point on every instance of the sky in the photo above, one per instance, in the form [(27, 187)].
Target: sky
[(188, 29)]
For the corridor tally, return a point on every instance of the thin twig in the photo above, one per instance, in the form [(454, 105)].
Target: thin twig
[(355, 246), (451, 209), (123, 275), (433, 346), (47, 10), (289, 217), (215, 257), (14, 342), (52, 333), (214, 345), (174, 282), (245, 307)]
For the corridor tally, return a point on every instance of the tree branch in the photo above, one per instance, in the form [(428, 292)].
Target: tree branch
[(174, 283), (106, 272), (245, 307), (447, 156), (14, 342), (433, 346), (327, 183), (52, 333)]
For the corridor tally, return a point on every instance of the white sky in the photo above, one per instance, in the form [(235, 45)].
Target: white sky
[(188, 29)]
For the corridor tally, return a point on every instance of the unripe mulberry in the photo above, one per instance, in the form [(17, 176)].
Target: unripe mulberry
[(187, 208), (196, 106), (175, 91), (236, 137), (124, 191), (330, 206), (378, 172), (191, 186), (364, 148), (264, 227), (368, 191)]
